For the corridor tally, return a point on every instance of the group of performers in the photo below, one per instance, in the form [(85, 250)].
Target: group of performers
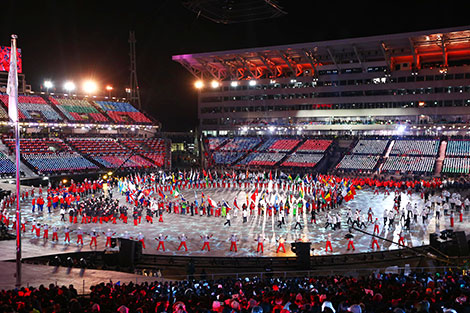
[(282, 198)]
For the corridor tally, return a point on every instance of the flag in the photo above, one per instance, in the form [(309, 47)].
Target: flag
[(148, 192), (235, 203), (12, 86), (254, 195), (270, 175), (161, 194), (176, 192), (328, 197), (301, 192), (211, 202)]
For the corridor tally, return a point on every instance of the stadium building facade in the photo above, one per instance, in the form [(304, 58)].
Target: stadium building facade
[(418, 83)]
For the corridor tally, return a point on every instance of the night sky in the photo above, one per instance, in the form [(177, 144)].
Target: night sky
[(89, 39)]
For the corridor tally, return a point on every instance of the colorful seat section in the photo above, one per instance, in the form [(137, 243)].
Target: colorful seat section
[(97, 146), (279, 145), (358, 162), (34, 108), (215, 142), (115, 161), (402, 163), (38, 145), (458, 148), (415, 147), (123, 112), (226, 158), (60, 162), (370, 146), (241, 144), (302, 160), (6, 165), (151, 148), (314, 145), (456, 166), (264, 159), (78, 110)]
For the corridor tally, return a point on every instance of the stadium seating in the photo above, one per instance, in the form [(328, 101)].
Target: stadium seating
[(241, 144), (78, 110), (215, 142), (151, 148), (6, 165), (302, 160), (265, 159), (358, 162), (409, 164), (34, 108), (415, 147), (157, 158), (314, 145), (370, 147), (279, 145), (456, 166), (97, 146), (115, 161), (60, 162), (38, 145), (123, 112), (226, 158), (458, 148)]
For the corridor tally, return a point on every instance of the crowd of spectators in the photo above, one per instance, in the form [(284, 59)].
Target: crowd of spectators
[(409, 164), (370, 146), (456, 166), (458, 148), (414, 293), (302, 160), (415, 147), (358, 162)]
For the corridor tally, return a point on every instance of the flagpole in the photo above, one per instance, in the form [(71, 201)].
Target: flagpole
[(12, 91), (18, 211)]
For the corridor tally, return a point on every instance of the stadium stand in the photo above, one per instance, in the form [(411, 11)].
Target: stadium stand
[(456, 166), (151, 148), (414, 164), (125, 160), (415, 147), (458, 148), (302, 160), (226, 158), (78, 110), (314, 145), (241, 144), (34, 109), (123, 112), (264, 159), (279, 145), (60, 162), (6, 165), (214, 142), (358, 162), (374, 146), (103, 146), (50, 155)]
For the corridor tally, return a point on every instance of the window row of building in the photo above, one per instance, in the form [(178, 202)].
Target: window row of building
[(337, 106), (334, 94)]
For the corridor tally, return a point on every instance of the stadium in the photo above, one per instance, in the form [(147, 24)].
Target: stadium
[(324, 176)]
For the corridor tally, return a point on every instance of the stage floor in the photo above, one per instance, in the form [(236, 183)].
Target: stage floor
[(195, 226)]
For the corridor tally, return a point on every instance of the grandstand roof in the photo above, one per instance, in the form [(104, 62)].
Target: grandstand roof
[(295, 59)]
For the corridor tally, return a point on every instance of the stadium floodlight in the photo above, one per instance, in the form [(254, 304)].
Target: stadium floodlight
[(69, 86), (199, 84), (401, 129), (109, 87), (215, 84), (272, 129), (48, 84), (234, 84), (90, 86), (252, 83)]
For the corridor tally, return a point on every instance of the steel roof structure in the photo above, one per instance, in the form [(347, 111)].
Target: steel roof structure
[(439, 45)]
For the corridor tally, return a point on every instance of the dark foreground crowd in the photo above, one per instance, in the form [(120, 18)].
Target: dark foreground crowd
[(448, 292)]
